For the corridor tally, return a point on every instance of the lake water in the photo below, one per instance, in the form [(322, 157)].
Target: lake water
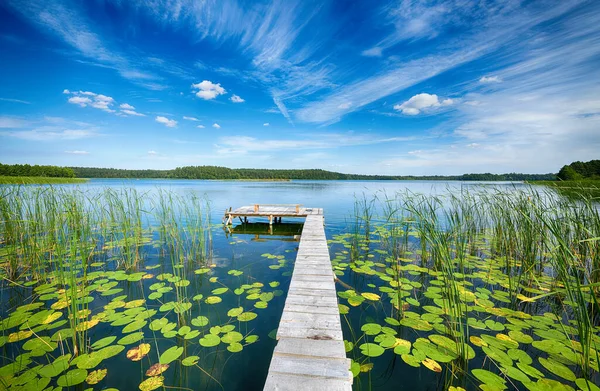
[(265, 261)]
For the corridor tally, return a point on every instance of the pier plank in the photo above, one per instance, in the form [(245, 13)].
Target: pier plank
[(310, 352)]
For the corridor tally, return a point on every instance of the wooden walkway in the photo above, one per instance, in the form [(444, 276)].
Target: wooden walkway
[(310, 352), (271, 211)]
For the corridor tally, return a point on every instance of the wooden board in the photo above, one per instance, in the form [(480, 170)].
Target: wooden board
[(310, 352)]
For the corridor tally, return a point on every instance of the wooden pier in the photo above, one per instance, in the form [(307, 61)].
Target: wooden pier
[(310, 352), (274, 212)]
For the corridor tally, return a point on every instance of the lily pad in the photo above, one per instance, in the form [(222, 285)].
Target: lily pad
[(72, 378), (96, 376), (371, 350), (171, 354), (210, 340), (152, 383)]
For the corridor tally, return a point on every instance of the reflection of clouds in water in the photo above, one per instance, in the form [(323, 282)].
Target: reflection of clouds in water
[(221, 262), (292, 185)]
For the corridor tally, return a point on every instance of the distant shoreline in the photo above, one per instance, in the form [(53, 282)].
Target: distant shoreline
[(33, 180)]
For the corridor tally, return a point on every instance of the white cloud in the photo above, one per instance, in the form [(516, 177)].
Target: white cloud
[(266, 124), (169, 123), (152, 153), (65, 91), (236, 99), (80, 100), (190, 118), (200, 126), (15, 101), (126, 106), (87, 98), (345, 105), (490, 79), (421, 102), (10, 122), (373, 52), (50, 135), (216, 126), (208, 90), (77, 152), (133, 112)]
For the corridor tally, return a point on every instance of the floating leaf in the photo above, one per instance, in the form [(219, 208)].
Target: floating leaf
[(134, 326), (72, 378), (402, 346), (370, 296), (219, 291), (557, 368), (189, 361), (213, 300), (103, 342), (432, 365), (171, 354), (371, 328), (152, 383), (371, 350), (210, 340), (96, 376), (235, 347), (200, 321), (131, 338), (235, 312), (489, 378), (137, 353), (246, 316), (157, 369)]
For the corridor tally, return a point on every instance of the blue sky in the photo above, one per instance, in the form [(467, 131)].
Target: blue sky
[(376, 87)]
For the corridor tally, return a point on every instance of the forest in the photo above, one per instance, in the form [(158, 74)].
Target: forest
[(26, 170), (216, 172), (580, 170)]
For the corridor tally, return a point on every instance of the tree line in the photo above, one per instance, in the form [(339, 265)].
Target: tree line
[(36, 171), (217, 172), (580, 170)]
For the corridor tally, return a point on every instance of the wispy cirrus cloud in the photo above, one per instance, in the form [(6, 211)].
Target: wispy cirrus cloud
[(501, 28), (77, 152), (244, 144), (15, 101), (70, 25)]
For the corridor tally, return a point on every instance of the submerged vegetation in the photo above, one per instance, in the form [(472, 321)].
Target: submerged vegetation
[(492, 290)]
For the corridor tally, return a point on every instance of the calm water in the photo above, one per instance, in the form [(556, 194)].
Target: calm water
[(263, 260)]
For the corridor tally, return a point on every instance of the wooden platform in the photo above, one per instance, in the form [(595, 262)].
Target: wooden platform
[(310, 352), (271, 211)]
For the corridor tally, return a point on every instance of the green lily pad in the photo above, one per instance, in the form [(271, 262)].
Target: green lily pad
[(213, 300), (72, 378), (235, 347), (489, 378), (371, 350), (190, 360), (371, 328), (171, 354), (210, 340), (557, 369), (235, 312), (219, 291), (103, 342), (134, 326), (200, 321), (246, 316)]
